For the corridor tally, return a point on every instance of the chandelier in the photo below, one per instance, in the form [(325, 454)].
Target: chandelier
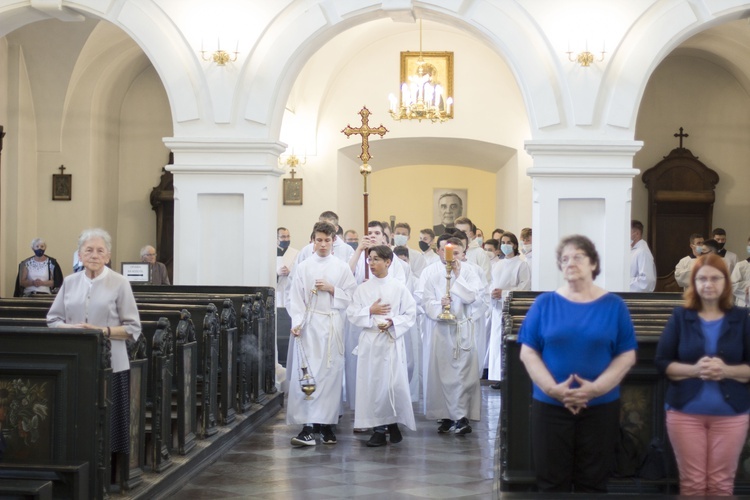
[(422, 97)]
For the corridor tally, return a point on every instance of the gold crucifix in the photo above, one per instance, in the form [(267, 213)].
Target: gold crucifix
[(365, 130)]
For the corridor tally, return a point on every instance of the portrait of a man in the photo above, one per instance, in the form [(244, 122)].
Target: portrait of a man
[(449, 205)]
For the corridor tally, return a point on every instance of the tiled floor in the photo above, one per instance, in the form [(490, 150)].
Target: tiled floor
[(424, 465)]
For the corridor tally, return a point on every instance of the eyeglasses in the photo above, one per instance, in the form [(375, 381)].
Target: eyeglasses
[(702, 280), (149, 255), (577, 258)]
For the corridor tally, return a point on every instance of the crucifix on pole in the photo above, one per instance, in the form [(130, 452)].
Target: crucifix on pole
[(365, 131)]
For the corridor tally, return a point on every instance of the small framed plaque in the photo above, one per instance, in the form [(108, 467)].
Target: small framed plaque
[(292, 191), (62, 187), (136, 272)]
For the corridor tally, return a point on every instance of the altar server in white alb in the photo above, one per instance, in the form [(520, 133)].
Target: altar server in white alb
[(451, 379), (320, 292), (642, 267), (509, 274), (385, 310)]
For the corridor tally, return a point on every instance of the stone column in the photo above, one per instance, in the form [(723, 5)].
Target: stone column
[(582, 187), (226, 197)]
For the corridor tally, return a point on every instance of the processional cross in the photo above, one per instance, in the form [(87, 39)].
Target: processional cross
[(365, 131)]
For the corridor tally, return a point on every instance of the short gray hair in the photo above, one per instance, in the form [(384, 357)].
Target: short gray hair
[(36, 241), (96, 232), (144, 250)]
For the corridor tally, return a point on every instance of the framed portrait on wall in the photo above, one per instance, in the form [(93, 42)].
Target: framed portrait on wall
[(448, 205), (439, 65)]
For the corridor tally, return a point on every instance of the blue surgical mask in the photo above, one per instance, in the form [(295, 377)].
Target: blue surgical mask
[(400, 240), (698, 250), (39, 252), (506, 248), (353, 244), (748, 249), (479, 240), (284, 244)]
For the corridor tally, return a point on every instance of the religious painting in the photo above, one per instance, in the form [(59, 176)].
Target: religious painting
[(62, 187), (292, 191), (438, 66), (25, 419), (637, 411), (448, 205)]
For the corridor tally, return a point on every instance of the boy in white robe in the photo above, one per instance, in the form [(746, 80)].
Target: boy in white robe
[(320, 292), (452, 391), (511, 273), (384, 310)]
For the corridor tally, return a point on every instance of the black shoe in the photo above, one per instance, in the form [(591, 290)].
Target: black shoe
[(462, 426), (304, 438), (496, 386), (377, 439), (327, 435), (446, 426), (395, 433)]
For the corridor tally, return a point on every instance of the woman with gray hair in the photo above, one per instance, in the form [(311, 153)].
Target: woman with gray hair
[(40, 274), (101, 299)]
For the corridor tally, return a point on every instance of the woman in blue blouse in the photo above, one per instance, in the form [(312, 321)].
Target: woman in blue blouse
[(705, 353), (578, 343)]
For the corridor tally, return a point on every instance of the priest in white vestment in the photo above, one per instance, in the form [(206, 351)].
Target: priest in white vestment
[(451, 373), (320, 292), (509, 274), (384, 311)]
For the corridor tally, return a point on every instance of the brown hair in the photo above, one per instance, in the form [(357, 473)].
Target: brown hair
[(693, 300), (581, 243)]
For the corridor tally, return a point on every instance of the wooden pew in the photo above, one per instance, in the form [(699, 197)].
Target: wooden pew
[(44, 366)]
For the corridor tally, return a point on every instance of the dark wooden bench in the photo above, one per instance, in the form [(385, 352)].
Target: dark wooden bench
[(642, 395)]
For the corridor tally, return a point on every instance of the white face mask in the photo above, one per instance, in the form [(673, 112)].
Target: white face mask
[(400, 240), (748, 249), (526, 248)]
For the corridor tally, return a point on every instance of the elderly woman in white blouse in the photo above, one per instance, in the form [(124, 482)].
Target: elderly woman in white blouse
[(101, 299)]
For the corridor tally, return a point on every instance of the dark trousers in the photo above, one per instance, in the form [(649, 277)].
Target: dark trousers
[(574, 452)]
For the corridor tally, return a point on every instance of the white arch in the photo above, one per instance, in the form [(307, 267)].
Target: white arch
[(656, 34), (301, 30), (152, 30)]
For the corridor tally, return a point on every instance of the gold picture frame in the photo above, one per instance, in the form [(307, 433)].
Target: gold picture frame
[(443, 73), (292, 191)]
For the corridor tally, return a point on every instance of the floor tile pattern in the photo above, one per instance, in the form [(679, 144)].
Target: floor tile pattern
[(424, 465)]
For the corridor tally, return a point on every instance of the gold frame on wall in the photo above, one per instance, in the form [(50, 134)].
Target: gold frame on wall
[(443, 63), (292, 191)]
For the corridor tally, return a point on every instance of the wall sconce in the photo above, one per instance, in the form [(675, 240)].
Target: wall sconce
[(585, 58), (219, 56), (292, 187)]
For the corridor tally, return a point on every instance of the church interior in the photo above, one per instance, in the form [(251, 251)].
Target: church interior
[(107, 91)]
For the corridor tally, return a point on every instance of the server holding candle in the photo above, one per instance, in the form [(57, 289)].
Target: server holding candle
[(451, 365)]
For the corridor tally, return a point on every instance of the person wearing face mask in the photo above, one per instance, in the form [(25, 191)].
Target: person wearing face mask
[(479, 237), (511, 273), (685, 265), (426, 239), (351, 238), (285, 259), (40, 274), (730, 258), (401, 234), (741, 280), (474, 252), (492, 247), (642, 267), (525, 248)]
